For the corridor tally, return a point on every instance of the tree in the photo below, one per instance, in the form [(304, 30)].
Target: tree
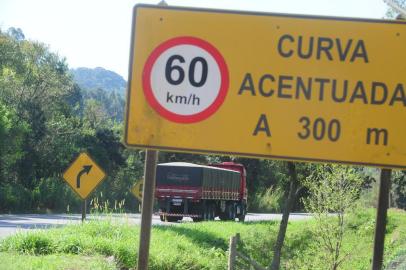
[(334, 190), (16, 33), (391, 13), (399, 189), (11, 134), (95, 115), (289, 200), (5, 125), (35, 90)]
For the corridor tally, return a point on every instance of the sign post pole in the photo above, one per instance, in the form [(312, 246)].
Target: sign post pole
[(381, 216), (147, 208), (83, 210), (383, 203)]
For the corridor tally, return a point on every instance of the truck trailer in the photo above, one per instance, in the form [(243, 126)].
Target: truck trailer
[(201, 192)]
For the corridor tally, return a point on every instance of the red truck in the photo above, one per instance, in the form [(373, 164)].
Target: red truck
[(201, 192)]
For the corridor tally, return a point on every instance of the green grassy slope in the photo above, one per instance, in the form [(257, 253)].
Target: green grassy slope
[(204, 245), (14, 261)]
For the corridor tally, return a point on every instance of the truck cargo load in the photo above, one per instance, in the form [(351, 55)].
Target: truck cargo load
[(201, 192)]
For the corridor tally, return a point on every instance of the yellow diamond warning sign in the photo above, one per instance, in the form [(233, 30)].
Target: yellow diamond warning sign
[(136, 190), (83, 175)]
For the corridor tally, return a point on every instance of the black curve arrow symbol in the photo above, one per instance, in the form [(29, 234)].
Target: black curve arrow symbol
[(86, 169)]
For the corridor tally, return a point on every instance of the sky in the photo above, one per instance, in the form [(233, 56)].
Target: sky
[(96, 33)]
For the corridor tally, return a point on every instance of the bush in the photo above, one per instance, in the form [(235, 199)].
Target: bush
[(268, 201), (198, 246), (30, 243), (334, 190), (14, 198)]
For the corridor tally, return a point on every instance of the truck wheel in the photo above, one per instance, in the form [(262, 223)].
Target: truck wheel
[(230, 211), (205, 213), (233, 212), (242, 212), (223, 216), (197, 219), (173, 219), (211, 213)]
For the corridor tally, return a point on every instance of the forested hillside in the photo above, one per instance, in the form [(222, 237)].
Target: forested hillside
[(99, 77), (47, 119), (108, 105), (103, 90)]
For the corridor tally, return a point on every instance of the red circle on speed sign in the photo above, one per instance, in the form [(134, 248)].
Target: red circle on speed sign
[(185, 79)]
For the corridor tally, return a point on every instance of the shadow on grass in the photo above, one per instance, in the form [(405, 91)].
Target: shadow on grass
[(260, 222), (207, 239), (298, 241), (199, 237)]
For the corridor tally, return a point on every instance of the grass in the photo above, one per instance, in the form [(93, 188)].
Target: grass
[(193, 245), (12, 261)]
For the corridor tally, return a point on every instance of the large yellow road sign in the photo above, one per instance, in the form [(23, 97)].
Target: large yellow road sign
[(268, 85), (83, 175)]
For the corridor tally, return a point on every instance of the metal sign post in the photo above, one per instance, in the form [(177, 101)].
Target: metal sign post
[(83, 210), (383, 203), (147, 207)]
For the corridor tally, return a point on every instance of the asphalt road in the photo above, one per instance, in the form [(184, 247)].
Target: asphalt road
[(10, 224)]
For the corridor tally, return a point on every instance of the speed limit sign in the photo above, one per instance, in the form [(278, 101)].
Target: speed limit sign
[(266, 85), (185, 79)]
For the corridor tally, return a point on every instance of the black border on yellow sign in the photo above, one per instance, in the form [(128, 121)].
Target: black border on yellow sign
[(248, 13), (70, 165)]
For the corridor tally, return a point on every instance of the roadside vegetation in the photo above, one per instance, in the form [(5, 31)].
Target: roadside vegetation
[(12, 261), (47, 118), (201, 245), (333, 189)]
